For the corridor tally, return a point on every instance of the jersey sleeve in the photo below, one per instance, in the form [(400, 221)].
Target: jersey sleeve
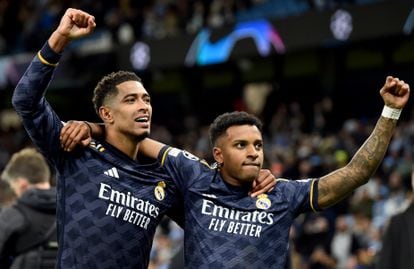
[(302, 195), (182, 166), (40, 121)]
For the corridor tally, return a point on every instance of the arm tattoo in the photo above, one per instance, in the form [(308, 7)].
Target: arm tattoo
[(340, 183)]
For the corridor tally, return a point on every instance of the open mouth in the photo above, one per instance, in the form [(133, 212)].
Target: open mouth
[(143, 119)]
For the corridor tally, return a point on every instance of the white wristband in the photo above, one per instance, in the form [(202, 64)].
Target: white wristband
[(391, 113)]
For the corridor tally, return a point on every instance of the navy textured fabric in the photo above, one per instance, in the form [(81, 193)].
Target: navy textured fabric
[(108, 204), (225, 227)]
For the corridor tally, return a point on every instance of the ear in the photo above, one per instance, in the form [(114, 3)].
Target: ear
[(217, 154), (19, 185), (23, 184), (105, 114)]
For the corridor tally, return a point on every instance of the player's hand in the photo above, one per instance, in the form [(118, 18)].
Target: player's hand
[(395, 92), (75, 133), (76, 23), (265, 182)]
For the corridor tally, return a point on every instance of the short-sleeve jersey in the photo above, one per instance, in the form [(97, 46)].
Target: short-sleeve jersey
[(108, 206), (224, 226)]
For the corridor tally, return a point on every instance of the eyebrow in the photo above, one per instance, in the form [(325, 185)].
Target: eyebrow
[(246, 141), (137, 95)]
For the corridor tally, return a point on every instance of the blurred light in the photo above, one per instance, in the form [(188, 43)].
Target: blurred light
[(341, 24), (409, 23), (126, 34), (140, 56), (4, 63), (205, 52)]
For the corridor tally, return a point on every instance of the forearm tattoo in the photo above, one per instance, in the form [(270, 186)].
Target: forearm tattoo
[(340, 183)]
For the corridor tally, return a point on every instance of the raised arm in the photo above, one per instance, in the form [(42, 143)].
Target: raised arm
[(340, 183), (30, 89), (38, 117)]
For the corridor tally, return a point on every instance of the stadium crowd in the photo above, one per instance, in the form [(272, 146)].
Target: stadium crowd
[(298, 145), (25, 24)]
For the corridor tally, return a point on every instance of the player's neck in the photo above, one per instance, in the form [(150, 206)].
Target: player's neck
[(125, 144), (233, 181), (42, 185)]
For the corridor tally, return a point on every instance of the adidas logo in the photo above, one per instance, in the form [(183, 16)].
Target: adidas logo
[(113, 172), (209, 195)]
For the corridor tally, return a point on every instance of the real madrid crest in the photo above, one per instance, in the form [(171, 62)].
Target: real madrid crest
[(96, 146), (263, 202), (159, 191)]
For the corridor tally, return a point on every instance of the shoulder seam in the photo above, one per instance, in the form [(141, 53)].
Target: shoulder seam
[(164, 155)]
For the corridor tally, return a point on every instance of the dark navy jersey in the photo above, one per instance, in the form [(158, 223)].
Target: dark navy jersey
[(108, 205), (224, 226)]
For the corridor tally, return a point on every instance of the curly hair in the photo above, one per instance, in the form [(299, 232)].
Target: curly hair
[(229, 119), (106, 87)]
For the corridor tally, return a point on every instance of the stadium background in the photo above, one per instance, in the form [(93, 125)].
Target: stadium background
[(314, 81)]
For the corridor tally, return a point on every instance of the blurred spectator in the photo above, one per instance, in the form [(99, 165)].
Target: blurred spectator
[(344, 244), (196, 21), (29, 225), (312, 241), (398, 241), (24, 24), (397, 200), (7, 196)]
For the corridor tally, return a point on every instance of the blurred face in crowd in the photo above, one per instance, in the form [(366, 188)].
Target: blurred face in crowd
[(239, 151)]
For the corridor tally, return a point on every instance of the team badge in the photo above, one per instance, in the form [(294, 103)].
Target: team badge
[(263, 202), (96, 146), (159, 191)]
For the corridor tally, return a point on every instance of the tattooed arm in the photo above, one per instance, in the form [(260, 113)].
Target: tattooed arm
[(340, 183)]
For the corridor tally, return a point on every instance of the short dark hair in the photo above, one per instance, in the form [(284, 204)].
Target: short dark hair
[(229, 119), (107, 86)]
